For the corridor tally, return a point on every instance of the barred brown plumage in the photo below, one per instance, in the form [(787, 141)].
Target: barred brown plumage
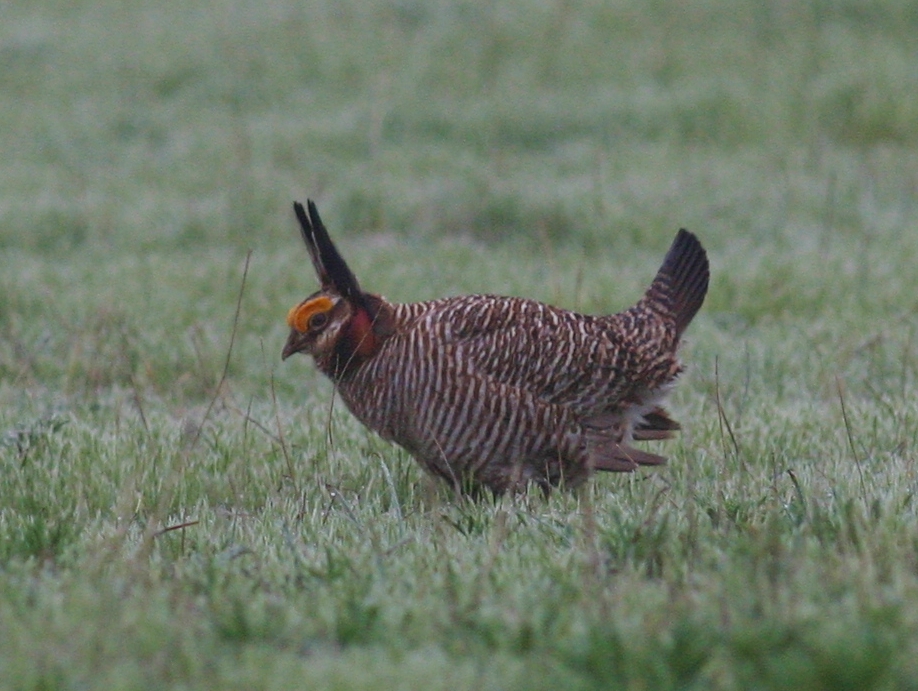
[(497, 392)]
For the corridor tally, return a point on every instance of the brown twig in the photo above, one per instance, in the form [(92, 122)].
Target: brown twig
[(280, 429), (229, 352), (722, 416), (138, 403), (850, 434), (179, 526)]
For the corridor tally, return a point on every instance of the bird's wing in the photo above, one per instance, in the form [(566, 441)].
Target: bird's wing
[(581, 362)]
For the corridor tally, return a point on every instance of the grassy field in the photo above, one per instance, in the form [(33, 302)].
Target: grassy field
[(179, 510)]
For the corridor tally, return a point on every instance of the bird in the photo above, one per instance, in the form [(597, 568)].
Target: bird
[(500, 393)]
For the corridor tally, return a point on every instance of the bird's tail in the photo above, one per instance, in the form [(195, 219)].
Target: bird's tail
[(681, 284)]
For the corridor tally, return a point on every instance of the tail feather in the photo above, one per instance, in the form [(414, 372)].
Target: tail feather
[(681, 283), (655, 425), (605, 451), (618, 458)]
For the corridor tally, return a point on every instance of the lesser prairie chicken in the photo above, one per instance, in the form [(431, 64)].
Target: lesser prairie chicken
[(497, 392)]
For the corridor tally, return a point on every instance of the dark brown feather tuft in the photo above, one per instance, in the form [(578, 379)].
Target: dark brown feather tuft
[(681, 283), (333, 271)]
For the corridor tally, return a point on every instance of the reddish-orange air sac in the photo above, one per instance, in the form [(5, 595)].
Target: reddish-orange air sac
[(360, 334)]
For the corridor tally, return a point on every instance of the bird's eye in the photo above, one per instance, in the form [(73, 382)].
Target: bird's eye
[(318, 320)]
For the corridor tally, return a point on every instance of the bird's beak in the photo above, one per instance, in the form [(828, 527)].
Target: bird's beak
[(296, 343)]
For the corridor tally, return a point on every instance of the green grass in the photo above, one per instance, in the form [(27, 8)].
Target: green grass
[(163, 526)]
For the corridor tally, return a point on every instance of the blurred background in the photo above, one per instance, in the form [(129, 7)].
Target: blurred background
[(180, 510)]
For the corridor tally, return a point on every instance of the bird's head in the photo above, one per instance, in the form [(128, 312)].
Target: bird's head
[(340, 325)]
